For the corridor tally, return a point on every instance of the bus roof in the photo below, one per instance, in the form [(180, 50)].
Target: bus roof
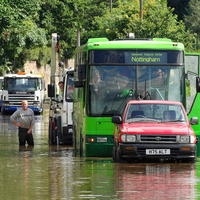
[(192, 53), (155, 43)]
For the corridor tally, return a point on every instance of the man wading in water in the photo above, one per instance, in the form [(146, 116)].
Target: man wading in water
[(23, 118)]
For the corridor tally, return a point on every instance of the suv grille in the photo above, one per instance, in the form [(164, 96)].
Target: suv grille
[(157, 138)]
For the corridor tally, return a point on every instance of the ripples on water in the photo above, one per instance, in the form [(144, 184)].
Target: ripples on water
[(54, 173)]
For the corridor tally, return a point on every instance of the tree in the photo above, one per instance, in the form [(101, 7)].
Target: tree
[(26, 26), (180, 7), (19, 30), (158, 21), (66, 17), (192, 18)]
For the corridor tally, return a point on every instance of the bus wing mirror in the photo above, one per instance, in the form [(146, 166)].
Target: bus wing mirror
[(81, 72), (197, 84), (51, 90), (78, 84), (81, 76)]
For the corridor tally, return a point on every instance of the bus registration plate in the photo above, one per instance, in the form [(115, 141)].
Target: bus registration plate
[(101, 139), (157, 151)]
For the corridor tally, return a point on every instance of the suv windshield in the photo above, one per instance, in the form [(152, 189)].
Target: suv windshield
[(155, 112)]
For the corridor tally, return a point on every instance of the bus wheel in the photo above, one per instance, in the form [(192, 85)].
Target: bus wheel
[(116, 155), (81, 145)]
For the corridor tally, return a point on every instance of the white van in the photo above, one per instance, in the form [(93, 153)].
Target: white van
[(60, 115)]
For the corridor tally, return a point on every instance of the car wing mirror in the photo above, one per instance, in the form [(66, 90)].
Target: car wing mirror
[(194, 121), (117, 119)]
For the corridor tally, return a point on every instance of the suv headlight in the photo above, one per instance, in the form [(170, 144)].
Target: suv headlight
[(184, 139), (128, 138), (192, 139)]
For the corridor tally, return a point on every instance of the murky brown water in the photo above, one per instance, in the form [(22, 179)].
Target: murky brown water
[(45, 173)]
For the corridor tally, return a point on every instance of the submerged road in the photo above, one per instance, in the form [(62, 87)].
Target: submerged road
[(52, 172)]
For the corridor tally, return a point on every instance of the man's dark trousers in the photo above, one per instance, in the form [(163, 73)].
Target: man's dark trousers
[(24, 136)]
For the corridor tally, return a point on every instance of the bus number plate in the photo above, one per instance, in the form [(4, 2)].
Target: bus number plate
[(101, 139), (157, 151)]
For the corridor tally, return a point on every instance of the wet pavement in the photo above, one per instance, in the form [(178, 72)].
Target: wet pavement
[(46, 172)]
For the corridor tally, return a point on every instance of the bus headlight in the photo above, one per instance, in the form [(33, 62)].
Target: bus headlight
[(128, 138)]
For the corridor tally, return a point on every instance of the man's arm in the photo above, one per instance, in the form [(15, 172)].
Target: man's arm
[(32, 123), (30, 129), (13, 119)]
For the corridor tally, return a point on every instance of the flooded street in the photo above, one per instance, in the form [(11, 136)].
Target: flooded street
[(53, 173)]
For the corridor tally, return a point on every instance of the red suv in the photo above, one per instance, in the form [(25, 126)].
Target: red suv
[(154, 129)]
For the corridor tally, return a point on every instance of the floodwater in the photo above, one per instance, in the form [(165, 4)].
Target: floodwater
[(52, 173)]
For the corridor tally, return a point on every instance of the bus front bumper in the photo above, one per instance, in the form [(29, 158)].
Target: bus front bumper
[(98, 145)]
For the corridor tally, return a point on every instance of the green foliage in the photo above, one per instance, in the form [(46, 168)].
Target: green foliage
[(180, 7), (65, 17), (26, 26), (157, 21), (192, 19), (5, 68), (19, 30), (42, 55)]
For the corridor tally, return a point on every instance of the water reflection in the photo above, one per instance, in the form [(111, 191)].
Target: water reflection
[(52, 172), (94, 179), (156, 181)]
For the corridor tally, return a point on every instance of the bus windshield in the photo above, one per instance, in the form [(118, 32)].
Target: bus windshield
[(110, 87), (22, 84)]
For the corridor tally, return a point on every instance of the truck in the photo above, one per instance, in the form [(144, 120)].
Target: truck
[(23, 86), (61, 105), (154, 129)]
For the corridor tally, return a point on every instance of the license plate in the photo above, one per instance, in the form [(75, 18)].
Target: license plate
[(157, 151), (102, 139)]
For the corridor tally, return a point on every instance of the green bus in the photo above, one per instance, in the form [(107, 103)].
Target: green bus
[(192, 72), (109, 73)]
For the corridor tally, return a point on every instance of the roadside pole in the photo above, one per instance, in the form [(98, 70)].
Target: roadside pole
[(53, 58)]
